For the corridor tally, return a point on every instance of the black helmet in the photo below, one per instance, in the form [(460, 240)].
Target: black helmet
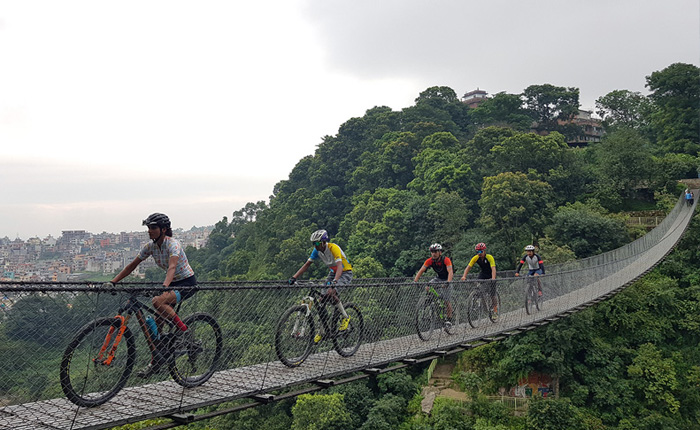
[(161, 220)]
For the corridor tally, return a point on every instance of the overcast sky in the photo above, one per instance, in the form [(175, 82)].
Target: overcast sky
[(112, 110)]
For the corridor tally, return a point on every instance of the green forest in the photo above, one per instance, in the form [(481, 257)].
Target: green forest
[(390, 183)]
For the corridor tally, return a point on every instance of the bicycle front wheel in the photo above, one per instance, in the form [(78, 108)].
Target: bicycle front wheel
[(195, 357), (494, 312), (426, 318), (88, 376), (475, 309), (348, 341), (450, 324), (531, 300), (294, 336)]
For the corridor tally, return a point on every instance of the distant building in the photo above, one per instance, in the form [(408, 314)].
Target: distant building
[(592, 128), (473, 98)]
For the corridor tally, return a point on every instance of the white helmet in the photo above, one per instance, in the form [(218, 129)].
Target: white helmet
[(435, 247), (530, 248), (319, 236)]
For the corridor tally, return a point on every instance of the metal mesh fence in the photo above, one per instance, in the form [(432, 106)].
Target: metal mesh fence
[(40, 323)]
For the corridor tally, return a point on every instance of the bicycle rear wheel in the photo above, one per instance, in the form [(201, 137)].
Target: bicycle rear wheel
[(88, 381), (426, 318), (348, 341), (195, 357), (294, 336)]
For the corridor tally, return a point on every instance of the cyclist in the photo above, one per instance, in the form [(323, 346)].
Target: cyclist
[(169, 255), (534, 263), (443, 269), (340, 273), (488, 271), (688, 197)]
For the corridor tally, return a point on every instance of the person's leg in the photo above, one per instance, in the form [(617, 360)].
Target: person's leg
[(345, 279), (164, 307)]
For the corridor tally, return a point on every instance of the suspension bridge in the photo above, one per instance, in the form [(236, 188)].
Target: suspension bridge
[(44, 317)]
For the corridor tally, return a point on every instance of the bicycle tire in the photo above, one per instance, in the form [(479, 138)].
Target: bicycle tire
[(83, 381), (348, 341), (193, 364), (291, 336), (531, 300), (475, 309), (540, 298), (426, 318), (493, 316), (451, 328)]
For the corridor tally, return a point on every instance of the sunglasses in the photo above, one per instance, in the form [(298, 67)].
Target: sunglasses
[(317, 243), (479, 252)]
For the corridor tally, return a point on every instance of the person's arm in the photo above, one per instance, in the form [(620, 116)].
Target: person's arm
[(541, 263), (126, 271), (422, 270), (493, 272), (466, 271), (519, 266), (170, 274), (302, 269), (450, 273), (338, 270)]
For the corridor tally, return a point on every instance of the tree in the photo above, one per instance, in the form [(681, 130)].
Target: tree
[(586, 229), (675, 92), (389, 166), (320, 412), (626, 109), (549, 104), (553, 414), (623, 164), (437, 96), (514, 208), (439, 168), (386, 414), (525, 151), (503, 110), (654, 377)]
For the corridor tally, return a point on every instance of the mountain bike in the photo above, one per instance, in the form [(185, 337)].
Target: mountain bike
[(480, 304), (431, 314), (100, 358), (300, 324), (533, 295)]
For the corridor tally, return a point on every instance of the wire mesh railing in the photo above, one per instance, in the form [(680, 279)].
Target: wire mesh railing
[(40, 322)]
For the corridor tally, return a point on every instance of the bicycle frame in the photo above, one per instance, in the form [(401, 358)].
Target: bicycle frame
[(442, 305), (314, 296), (133, 306)]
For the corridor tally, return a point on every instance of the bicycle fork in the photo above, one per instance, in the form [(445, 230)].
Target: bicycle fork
[(108, 339), (300, 322)]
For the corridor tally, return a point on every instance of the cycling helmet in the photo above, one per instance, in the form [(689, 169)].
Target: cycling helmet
[(435, 247), (480, 246), (530, 248), (161, 220), (319, 236)]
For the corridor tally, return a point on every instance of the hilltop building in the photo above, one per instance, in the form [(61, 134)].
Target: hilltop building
[(473, 98)]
